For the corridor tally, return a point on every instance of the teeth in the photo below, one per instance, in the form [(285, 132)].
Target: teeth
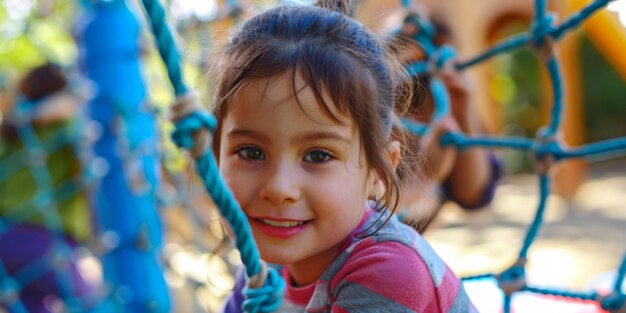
[(280, 224)]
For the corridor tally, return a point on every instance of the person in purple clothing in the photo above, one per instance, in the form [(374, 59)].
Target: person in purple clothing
[(310, 145), (467, 177), (27, 243)]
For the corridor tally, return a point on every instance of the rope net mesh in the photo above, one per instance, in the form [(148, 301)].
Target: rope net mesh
[(86, 189)]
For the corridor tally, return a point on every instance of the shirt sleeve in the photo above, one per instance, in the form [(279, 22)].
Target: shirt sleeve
[(235, 300), (391, 277)]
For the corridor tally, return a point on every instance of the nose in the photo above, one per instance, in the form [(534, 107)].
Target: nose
[(280, 184)]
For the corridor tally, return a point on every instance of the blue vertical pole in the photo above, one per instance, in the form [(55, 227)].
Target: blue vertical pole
[(125, 203)]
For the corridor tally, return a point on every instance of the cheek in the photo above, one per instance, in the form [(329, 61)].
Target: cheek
[(236, 180), (346, 192)]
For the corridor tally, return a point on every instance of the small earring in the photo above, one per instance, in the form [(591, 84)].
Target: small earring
[(376, 206)]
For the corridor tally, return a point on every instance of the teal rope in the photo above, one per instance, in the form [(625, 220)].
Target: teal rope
[(229, 208), (265, 299), (592, 296), (616, 300), (9, 289), (220, 193), (619, 279), (541, 32), (557, 95), (541, 29), (507, 304), (462, 141), (478, 277), (613, 302), (269, 297), (418, 129), (576, 19), (166, 44), (417, 68), (53, 143), (440, 97), (540, 9), (597, 148), (40, 173), (33, 271), (206, 164), (35, 150), (425, 33), (232, 4), (544, 191), (29, 209), (44, 200), (506, 45), (523, 39)]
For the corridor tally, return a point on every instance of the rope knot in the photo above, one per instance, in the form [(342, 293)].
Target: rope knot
[(193, 125), (544, 150), (264, 292), (417, 26), (614, 302), (541, 35), (420, 27), (514, 278), (442, 59)]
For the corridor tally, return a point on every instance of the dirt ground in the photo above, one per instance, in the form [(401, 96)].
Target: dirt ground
[(582, 241)]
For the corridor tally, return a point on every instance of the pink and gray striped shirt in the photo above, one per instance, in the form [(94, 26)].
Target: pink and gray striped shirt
[(392, 270)]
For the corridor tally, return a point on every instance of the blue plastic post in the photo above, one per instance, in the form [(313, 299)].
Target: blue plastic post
[(125, 203)]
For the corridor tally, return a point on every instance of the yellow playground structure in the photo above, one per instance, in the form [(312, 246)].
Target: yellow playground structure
[(477, 25)]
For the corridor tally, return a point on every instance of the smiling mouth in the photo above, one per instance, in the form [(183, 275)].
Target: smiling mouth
[(283, 224)]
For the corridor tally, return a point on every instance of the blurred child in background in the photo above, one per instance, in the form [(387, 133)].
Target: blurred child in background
[(26, 236), (466, 177)]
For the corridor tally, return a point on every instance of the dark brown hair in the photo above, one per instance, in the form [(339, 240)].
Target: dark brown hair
[(42, 81), (38, 83), (336, 56)]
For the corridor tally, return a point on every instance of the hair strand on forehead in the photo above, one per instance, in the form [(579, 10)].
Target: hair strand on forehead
[(348, 68)]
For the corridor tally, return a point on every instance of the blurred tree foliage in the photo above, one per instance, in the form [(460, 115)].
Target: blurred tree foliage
[(33, 32), (604, 95)]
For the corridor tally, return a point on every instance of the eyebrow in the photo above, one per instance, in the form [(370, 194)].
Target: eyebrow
[(242, 132), (321, 135), (309, 136)]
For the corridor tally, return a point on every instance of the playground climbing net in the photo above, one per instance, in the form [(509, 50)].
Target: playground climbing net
[(119, 171)]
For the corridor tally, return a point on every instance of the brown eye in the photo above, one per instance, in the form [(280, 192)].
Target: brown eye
[(318, 156), (250, 153)]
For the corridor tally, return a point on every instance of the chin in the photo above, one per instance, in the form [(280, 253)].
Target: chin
[(278, 258), (279, 254)]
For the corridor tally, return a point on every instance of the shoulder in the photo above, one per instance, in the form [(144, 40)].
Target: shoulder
[(389, 270), (389, 273)]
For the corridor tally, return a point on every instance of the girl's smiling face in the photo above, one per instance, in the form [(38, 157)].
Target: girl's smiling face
[(298, 174)]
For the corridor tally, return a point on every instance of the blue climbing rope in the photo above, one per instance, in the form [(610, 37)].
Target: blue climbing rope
[(268, 296), (546, 149)]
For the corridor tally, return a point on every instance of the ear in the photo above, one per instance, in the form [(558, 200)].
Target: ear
[(393, 150), (376, 185)]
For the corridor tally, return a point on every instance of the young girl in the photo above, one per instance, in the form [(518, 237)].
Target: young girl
[(307, 136)]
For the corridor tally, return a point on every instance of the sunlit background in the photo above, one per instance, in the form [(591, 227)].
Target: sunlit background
[(583, 238)]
